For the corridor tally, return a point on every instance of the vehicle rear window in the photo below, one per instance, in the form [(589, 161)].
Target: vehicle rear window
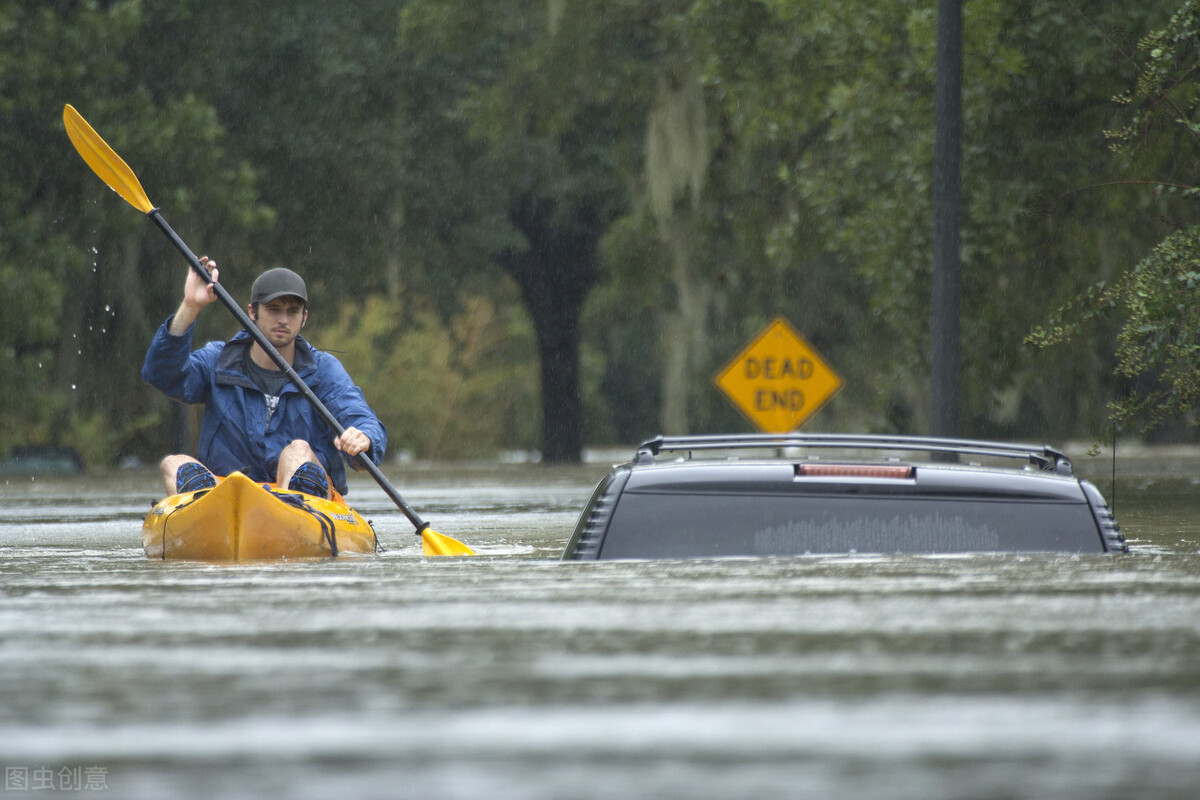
[(649, 524)]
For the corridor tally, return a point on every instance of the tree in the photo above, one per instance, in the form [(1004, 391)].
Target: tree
[(546, 95), (76, 268), (423, 152), (1158, 342)]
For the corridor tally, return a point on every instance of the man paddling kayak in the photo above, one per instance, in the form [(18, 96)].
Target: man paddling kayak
[(255, 421)]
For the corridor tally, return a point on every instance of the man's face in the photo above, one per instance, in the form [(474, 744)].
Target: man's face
[(281, 320)]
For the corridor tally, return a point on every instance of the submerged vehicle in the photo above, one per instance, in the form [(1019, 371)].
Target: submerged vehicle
[(242, 520), (798, 494)]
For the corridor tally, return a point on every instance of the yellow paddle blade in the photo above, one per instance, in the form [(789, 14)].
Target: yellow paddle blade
[(435, 544), (104, 162)]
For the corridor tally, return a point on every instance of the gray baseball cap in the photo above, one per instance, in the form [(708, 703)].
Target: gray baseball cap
[(277, 283)]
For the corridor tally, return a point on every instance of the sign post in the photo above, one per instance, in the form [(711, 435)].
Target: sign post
[(778, 380)]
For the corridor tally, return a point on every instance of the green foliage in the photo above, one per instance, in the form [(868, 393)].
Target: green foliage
[(458, 389), (1166, 59), (1158, 340), (550, 105), (82, 288), (1158, 346), (97, 435), (623, 361), (388, 150), (852, 137)]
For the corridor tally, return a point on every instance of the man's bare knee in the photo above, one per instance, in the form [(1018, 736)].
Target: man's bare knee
[(291, 457), (170, 468), (172, 463), (299, 449)]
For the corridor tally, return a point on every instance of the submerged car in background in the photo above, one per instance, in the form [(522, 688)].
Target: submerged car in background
[(798, 494)]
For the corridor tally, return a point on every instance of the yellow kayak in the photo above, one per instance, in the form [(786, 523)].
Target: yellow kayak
[(241, 520)]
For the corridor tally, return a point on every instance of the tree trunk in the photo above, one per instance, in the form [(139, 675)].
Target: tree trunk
[(562, 406), (686, 329), (677, 158), (555, 274)]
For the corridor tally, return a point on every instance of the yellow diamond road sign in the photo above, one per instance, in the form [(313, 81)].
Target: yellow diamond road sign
[(778, 380)]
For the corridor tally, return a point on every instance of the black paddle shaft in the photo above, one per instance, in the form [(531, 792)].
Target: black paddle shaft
[(262, 341)]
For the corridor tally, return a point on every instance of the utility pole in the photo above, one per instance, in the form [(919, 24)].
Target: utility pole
[(945, 302)]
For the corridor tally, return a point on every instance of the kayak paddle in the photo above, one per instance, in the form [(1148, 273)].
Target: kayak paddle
[(121, 179)]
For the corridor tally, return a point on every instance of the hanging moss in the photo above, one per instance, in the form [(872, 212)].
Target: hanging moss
[(677, 152), (554, 15)]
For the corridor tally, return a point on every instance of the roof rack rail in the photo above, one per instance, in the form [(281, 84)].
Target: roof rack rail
[(1042, 456)]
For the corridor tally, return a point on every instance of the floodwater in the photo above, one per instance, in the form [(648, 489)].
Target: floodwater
[(511, 675)]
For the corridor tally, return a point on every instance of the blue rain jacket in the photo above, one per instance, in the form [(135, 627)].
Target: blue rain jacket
[(234, 433)]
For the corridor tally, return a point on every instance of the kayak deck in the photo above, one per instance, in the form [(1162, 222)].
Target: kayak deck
[(241, 520)]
